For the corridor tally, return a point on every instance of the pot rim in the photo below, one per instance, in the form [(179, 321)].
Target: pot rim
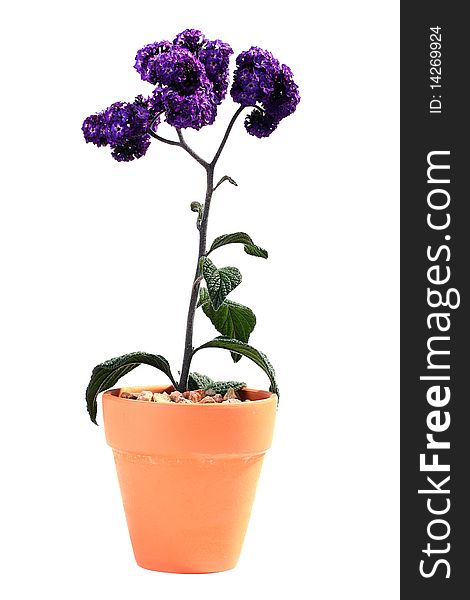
[(115, 395), (157, 428)]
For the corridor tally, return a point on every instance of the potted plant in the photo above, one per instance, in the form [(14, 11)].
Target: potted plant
[(188, 454)]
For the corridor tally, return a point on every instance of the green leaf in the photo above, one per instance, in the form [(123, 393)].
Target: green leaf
[(197, 381), (225, 178), (232, 320), (246, 350), (197, 208), (220, 282), (107, 373), (254, 250), (221, 387), (239, 238)]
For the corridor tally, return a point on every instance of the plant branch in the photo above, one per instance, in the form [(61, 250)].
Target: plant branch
[(189, 150), (164, 140), (159, 137), (229, 129)]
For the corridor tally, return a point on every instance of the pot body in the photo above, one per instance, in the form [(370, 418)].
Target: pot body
[(188, 476)]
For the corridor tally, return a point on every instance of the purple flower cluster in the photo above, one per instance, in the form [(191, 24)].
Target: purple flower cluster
[(123, 126), (179, 70), (191, 75), (94, 130), (146, 57), (192, 39), (194, 111), (260, 80), (215, 57)]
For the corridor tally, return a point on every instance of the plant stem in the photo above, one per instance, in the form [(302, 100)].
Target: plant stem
[(209, 167), (188, 343)]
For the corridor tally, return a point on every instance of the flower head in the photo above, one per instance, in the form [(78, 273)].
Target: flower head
[(132, 148), (124, 121), (123, 126), (260, 124), (193, 111), (145, 59), (253, 80), (215, 56), (285, 96), (191, 39), (191, 66), (260, 80), (179, 70), (94, 130)]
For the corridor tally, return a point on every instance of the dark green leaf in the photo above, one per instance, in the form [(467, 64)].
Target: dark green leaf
[(241, 348), (226, 178), (221, 387), (232, 320), (254, 250), (107, 373), (197, 381), (203, 382), (239, 238), (220, 282)]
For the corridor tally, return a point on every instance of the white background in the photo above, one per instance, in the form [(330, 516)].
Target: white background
[(97, 259)]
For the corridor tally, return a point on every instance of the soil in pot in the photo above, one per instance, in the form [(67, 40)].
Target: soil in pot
[(208, 396)]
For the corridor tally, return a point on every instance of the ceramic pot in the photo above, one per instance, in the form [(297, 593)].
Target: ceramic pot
[(188, 475)]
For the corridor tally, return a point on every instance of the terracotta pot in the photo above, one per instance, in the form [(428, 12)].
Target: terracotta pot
[(188, 476)]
